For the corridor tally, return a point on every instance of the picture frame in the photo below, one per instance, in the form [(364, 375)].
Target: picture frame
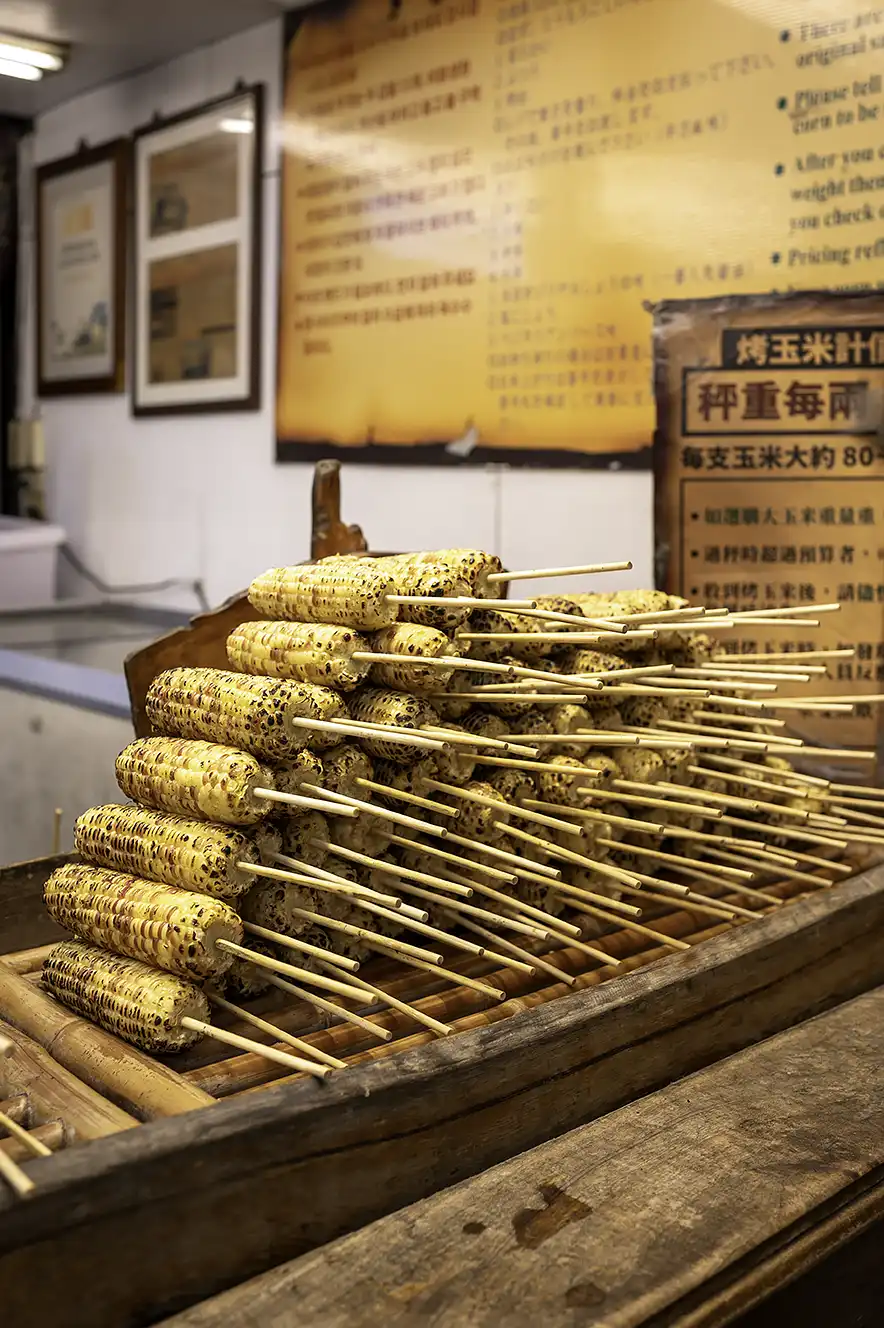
[(81, 204), (197, 258)]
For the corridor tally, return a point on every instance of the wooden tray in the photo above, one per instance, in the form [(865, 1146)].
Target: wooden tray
[(155, 1204)]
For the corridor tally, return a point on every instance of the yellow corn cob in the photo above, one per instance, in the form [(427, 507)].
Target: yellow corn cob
[(533, 721), (397, 709), (440, 583), (192, 778), (407, 779), (351, 592), (470, 565), (267, 835), (343, 766), (607, 768), (238, 709), (568, 717), (499, 620), (562, 788), (125, 997), (270, 905), (591, 661), (638, 763), (174, 929), (485, 725), (477, 821), (407, 638), (364, 833), (455, 766), (308, 652), (289, 775), (243, 979), (512, 785), (159, 847), (298, 831)]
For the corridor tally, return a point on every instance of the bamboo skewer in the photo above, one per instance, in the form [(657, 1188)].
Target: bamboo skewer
[(846, 653), (341, 886), (371, 938), (327, 1063), (579, 859), (435, 1025), (495, 873), (392, 869), (302, 803), (639, 927), (329, 1007), (493, 992), (407, 737), (385, 814), (703, 797), (15, 1177), (668, 804), (289, 970), (439, 808), (15, 1131), (727, 873), (541, 573), (259, 1048), (484, 801), (302, 947)]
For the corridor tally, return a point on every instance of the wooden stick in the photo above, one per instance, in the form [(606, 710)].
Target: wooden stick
[(296, 800), (781, 808), (279, 1034), (484, 801), (777, 855), (340, 887), (690, 809), (494, 872), (757, 721), (405, 736), (588, 738), (737, 741), (510, 744), (774, 622), (385, 814), (791, 872), (580, 859), (607, 625), (473, 910), (712, 909), (289, 970), (572, 943), (788, 832), (541, 766), (534, 698), (666, 617), (638, 927), (412, 798), (795, 611), (788, 654), (593, 814), (738, 666), (565, 889), (540, 573), (676, 858), (503, 856), (15, 1130), (529, 962), (493, 992), (452, 662), (302, 947), (812, 707), (425, 928), (826, 753), (390, 868), (329, 1007), (435, 1025), (56, 831), (756, 767), (722, 683), (258, 1048), (15, 1177), (701, 796), (461, 601)]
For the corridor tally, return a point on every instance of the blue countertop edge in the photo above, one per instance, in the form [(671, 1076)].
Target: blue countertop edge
[(59, 680)]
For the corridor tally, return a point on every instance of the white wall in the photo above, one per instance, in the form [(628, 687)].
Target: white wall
[(143, 500)]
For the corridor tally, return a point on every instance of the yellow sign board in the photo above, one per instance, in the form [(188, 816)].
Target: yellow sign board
[(770, 481), (481, 196)]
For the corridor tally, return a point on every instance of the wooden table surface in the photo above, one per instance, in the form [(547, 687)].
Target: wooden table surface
[(688, 1207)]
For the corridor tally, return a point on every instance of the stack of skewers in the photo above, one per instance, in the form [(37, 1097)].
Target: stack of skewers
[(402, 763)]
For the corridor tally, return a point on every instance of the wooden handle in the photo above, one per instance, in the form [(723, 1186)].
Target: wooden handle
[(330, 534)]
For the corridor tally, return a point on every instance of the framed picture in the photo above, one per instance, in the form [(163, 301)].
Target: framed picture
[(198, 258), (81, 271)]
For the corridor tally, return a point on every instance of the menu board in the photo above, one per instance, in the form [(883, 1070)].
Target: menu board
[(480, 198), (770, 479)]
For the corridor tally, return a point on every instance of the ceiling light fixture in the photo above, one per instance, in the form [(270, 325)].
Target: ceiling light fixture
[(20, 57)]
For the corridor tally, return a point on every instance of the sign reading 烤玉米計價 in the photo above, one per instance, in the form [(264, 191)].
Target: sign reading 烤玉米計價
[(770, 477)]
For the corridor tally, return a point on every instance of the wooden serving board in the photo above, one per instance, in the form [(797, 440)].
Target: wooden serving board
[(217, 1195), (686, 1208)]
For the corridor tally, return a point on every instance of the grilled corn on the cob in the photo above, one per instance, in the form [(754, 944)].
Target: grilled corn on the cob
[(351, 592), (192, 778), (124, 996), (160, 847), (308, 652), (397, 710), (408, 639), (174, 929)]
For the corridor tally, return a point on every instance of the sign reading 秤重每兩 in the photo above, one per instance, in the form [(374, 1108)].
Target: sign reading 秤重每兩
[(770, 477), (480, 196)]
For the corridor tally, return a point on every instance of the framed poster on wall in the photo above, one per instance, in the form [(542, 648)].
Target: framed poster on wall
[(81, 232), (197, 258), (481, 200)]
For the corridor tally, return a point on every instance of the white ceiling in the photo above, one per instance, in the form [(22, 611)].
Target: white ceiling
[(112, 38)]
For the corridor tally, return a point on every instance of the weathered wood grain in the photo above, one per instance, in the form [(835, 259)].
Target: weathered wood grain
[(330, 534), (623, 1221), (23, 919), (258, 1180)]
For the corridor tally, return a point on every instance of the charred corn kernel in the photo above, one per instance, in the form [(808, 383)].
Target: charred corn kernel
[(513, 785), (289, 775), (405, 779), (299, 832), (174, 929), (270, 905), (267, 836), (349, 592), (645, 711), (470, 565), (307, 652), (343, 766), (568, 717), (395, 709), (455, 766), (558, 604), (125, 997), (192, 778), (509, 709), (503, 620), (555, 786), (477, 820), (364, 833), (485, 725), (244, 979), (641, 764), (607, 769), (591, 661), (453, 708), (408, 639), (255, 714), (533, 721), (160, 847)]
